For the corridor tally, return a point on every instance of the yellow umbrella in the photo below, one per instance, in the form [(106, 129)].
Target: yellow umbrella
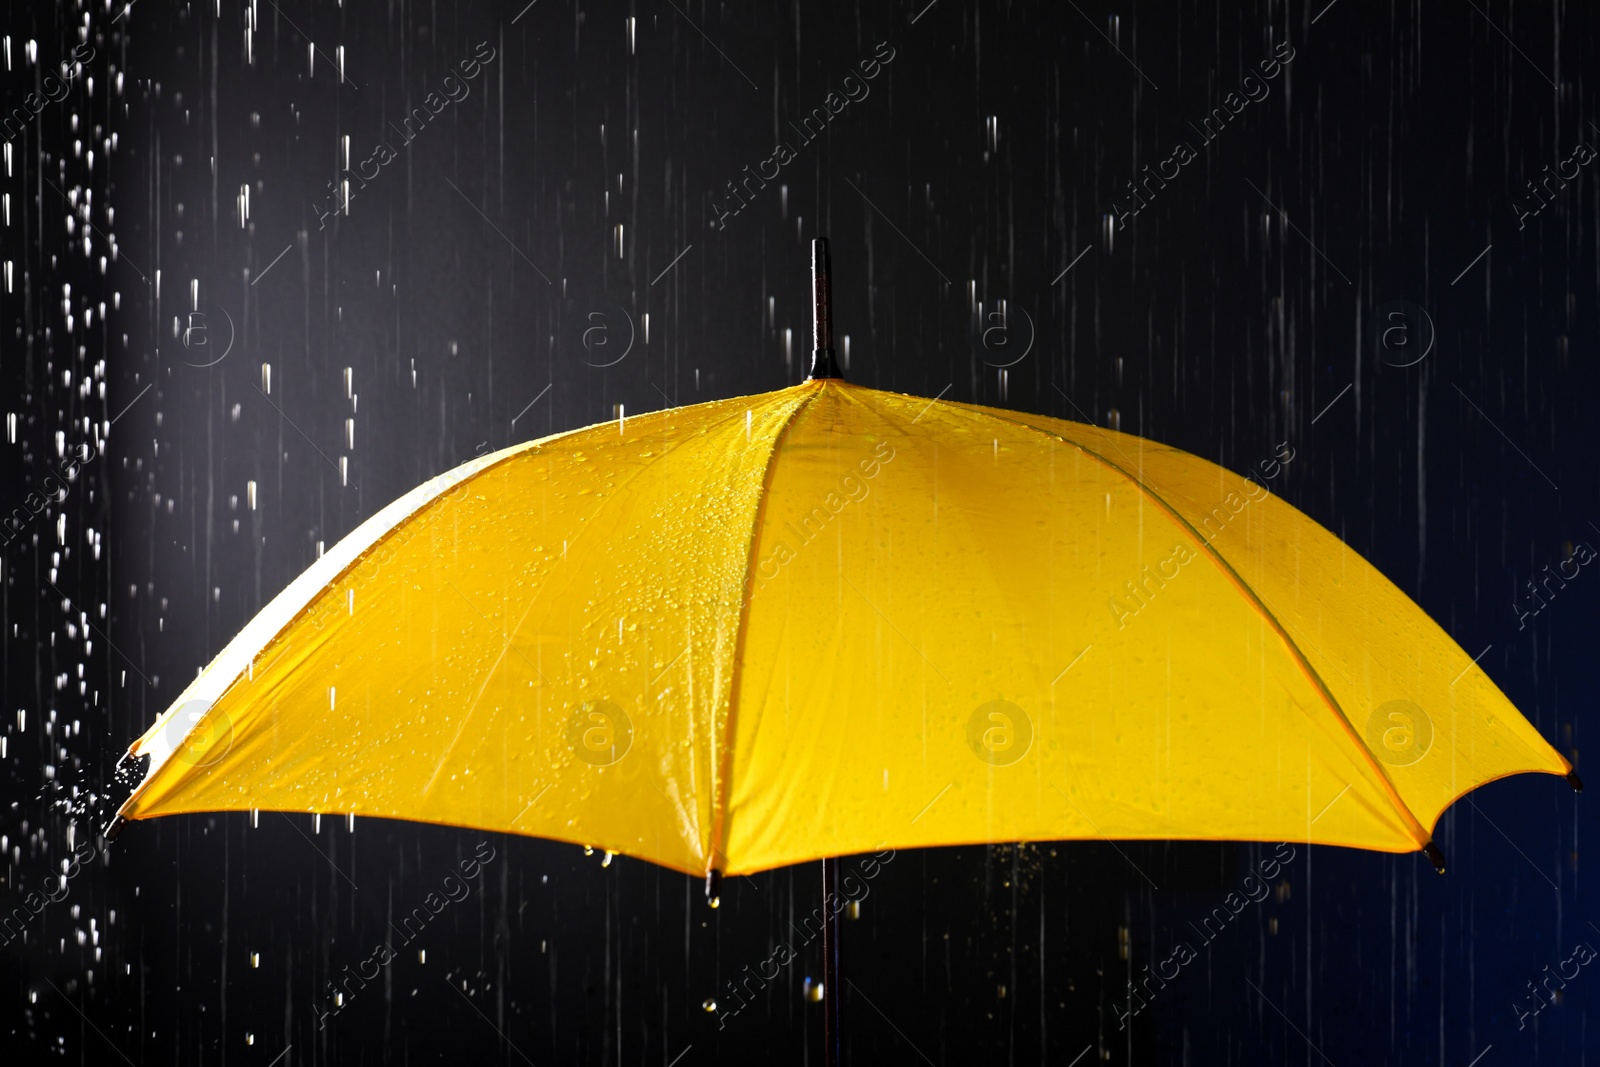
[(829, 619)]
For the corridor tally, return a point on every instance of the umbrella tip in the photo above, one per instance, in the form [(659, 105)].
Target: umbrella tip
[(823, 364), (713, 887), (1574, 781), (1435, 857), (113, 828)]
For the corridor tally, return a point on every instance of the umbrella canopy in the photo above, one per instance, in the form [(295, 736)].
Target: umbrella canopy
[(826, 619)]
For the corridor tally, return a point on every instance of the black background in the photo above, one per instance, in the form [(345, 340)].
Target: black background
[(1245, 305)]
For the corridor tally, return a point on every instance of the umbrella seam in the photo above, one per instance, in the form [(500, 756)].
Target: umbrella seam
[(1402, 808), (721, 794), (610, 498)]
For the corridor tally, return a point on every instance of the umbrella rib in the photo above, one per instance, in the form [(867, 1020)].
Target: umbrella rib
[(1401, 808), (719, 794)]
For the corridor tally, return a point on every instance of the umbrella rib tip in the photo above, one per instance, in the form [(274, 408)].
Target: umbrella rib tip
[(1435, 857), (1574, 781), (713, 887)]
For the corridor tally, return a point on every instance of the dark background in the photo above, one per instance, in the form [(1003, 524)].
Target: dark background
[(1245, 306)]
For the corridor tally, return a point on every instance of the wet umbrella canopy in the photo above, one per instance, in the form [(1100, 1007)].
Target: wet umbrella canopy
[(712, 590), (408, 445), (713, 609), (826, 619)]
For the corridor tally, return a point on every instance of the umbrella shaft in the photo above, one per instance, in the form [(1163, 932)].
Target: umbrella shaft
[(823, 364), (822, 293)]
